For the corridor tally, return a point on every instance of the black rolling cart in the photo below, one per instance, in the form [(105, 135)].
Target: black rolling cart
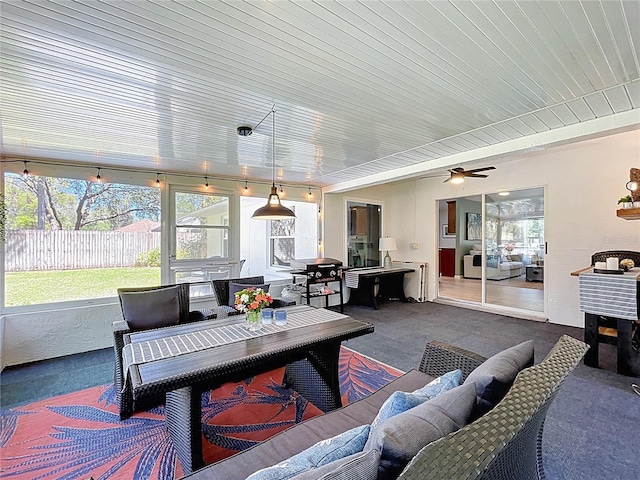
[(320, 272)]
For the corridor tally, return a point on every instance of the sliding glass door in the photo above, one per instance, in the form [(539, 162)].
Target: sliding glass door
[(515, 248), (497, 247)]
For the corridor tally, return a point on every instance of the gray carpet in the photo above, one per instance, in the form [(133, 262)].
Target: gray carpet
[(592, 428)]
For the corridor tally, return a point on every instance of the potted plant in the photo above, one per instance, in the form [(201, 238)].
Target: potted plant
[(626, 202)]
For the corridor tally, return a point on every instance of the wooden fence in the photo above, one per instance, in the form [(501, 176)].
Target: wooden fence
[(27, 250)]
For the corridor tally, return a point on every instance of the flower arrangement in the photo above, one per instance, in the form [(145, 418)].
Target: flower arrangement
[(509, 247), (252, 298)]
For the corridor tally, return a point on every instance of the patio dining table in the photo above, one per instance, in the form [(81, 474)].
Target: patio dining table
[(186, 360)]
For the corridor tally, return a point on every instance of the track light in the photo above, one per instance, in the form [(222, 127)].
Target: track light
[(310, 194), (157, 180), (98, 177), (246, 187), (281, 190), (206, 183), (25, 172)]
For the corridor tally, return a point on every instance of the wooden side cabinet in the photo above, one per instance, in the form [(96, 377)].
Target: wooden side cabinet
[(448, 262), (451, 217)]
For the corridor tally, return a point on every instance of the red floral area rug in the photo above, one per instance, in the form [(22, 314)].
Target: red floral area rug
[(79, 435)]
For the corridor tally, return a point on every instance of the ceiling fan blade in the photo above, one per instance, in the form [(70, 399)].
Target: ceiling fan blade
[(473, 170), (476, 175), (457, 170), (448, 179)]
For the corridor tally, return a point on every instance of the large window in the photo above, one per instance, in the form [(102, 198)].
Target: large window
[(70, 239), (282, 242), (269, 246)]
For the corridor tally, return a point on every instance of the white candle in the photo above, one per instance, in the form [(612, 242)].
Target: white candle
[(601, 265), (612, 263)]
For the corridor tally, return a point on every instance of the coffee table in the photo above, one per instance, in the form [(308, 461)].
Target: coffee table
[(309, 353)]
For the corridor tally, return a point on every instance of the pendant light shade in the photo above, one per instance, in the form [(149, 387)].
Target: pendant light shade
[(273, 210)]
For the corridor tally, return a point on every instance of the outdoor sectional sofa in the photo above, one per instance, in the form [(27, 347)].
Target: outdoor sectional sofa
[(505, 443)]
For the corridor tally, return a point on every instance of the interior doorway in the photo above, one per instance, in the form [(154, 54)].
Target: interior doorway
[(364, 231)]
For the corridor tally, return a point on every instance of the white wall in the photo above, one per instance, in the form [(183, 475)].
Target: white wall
[(55, 332), (583, 182)]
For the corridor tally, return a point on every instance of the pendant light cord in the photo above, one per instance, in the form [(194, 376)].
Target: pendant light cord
[(273, 139), (273, 149)]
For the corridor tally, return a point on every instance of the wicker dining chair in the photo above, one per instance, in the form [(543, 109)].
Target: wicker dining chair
[(221, 290), (132, 299)]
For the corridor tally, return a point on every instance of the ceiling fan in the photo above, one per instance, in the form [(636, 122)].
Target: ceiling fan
[(458, 174)]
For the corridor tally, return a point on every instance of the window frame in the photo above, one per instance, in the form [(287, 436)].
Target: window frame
[(75, 173), (272, 238), (173, 263)]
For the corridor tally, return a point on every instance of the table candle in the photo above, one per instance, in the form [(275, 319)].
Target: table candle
[(267, 315), (613, 263), (281, 317)]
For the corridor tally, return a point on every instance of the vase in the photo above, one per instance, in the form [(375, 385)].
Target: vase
[(253, 320)]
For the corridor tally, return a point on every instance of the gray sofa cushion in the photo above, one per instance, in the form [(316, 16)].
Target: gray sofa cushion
[(401, 437), (151, 308), (359, 466), (294, 440), (494, 377)]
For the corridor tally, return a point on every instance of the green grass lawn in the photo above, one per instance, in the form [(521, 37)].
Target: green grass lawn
[(29, 288)]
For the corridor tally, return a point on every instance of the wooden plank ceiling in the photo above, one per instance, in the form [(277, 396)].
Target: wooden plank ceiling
[(361, 89)]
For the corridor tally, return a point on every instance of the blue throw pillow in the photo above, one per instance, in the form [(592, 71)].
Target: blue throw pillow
[(324, 452), (400, 402)]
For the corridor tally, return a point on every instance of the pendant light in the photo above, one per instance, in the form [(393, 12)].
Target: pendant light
[(273, 210)]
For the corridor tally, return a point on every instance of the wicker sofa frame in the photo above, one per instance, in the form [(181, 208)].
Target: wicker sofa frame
[(121, 327), (505, 443)]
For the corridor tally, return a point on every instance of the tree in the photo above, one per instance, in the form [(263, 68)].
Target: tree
[(67, 204)]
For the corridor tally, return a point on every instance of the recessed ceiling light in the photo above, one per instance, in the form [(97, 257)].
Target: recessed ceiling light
[(504, 194)]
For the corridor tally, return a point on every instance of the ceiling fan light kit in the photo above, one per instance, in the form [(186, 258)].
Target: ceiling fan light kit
[(457, 178), (458, 174)]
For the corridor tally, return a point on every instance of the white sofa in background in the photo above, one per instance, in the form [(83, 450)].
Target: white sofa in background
[(497, 269)]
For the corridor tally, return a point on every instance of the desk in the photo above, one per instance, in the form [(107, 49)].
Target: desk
[(310, 354), (610, 301), (362, 282)]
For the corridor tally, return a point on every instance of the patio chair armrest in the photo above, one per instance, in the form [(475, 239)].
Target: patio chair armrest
[(119, 328), (280, 303), (440, 358), (200, 315)]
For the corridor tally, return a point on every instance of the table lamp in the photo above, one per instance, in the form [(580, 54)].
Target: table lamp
[(387, 244)]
